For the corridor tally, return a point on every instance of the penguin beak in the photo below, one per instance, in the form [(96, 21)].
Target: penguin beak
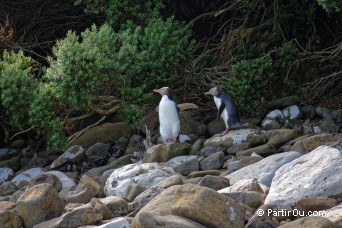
[(156, 90), (207, 93)]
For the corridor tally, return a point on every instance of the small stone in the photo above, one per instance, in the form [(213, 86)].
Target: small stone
[(196, 147), (176, 179), (74, 153), (7, 205), (243, 185), (84, 192), (308, 222), (238, 147), (315, 204), (184, 164), (212, 162), (249, 198), (25, 177), (98, 150), (144, 198), (209, 150), (116, 205), (97, 204), (248, 160), (163, 153), (47, 178), (214, 182), (8, 188), (9, 219), (204, 173), (132, 191)]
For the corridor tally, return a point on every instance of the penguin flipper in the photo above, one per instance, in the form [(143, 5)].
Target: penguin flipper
[(220, 110)]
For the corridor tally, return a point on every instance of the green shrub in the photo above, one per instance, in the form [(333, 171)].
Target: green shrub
[(250, 83), (43, 114), (331, 5), (118, 12), (132, 116), (17, 86)]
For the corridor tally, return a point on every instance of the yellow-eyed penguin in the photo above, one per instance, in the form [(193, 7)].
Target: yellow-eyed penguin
[(227, 109), (168, 116)]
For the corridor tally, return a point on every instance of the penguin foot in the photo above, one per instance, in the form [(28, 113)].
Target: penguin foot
[(224, 132)]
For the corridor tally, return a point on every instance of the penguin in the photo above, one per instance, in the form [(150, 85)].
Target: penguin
[(168, 116), (227, 109)]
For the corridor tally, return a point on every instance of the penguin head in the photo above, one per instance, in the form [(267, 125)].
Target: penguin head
[(215, 91), (164, 91)]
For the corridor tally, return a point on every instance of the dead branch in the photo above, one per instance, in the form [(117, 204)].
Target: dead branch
[(21, 132), (79, 133)]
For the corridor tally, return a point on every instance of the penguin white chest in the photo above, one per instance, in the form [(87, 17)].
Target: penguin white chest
[(224, 114), (168, 118)]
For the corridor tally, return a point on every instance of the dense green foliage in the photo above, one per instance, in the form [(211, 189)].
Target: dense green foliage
[(16, 87), (331, 5), (118, 12), (252, 78)]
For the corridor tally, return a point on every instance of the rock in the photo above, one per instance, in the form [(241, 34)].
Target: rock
[(116, 223), (328, 126), (334, 214), (39, 203), (25, 177), (15, 196), (184, 164), (151, 122), (97, 150), (308, 222), (262, 219), (74, 153), (292, 112), (209, 150), (136, 143), (281, 102), (98, 171), (189, 126), (243, 185), (80, 216), (144, 198), (204, 173), (170, 181), (309, 112), (207, 207), (132, 191), (311, 204), (277, 138), (188, 198), (163, 153), (154, 220), (216, 126), (249, 198), (47, 178), (6, 174), (7, 153), (116, 205), (212, 162), (314, 174), (214, 182), (233, 137), (308, 144), (238, 147), (86, 189), (146, 175), (67, 183), (196, 147), (248, 160), (97, 204), (232, 165), (7, 205), (9, 219), (323, 112), (103, 133), (265, 169), (273, 120), (337, 116), (13, 163), (8, 188)]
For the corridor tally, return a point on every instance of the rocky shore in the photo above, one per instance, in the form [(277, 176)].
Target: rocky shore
[(280, 171)]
